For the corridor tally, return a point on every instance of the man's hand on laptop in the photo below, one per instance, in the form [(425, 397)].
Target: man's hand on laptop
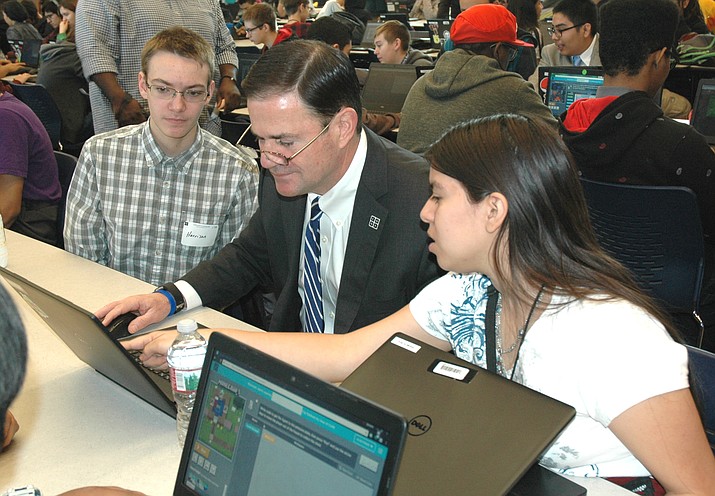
[(151, 308)]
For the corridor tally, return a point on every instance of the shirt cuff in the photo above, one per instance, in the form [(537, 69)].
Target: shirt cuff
[(191, 297)]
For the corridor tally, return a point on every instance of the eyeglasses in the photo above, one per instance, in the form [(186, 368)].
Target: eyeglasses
[(280, 159), (673, 55), (558, 32), (250, 30), (168, 93)]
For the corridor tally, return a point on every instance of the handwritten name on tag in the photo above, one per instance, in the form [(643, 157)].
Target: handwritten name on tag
[(199, 235)]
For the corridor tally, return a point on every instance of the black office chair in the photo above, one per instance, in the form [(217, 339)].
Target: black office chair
[(702, 384), (66, 164), (39, 100), (655, 231)]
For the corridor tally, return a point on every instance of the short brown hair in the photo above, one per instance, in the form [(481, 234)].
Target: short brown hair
[(392, 30), (260, 14), (182, 42)]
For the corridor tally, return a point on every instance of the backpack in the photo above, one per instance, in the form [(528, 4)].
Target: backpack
[(698, 50), (355, 25)]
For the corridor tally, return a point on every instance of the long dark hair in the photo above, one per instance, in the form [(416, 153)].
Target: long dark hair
[(525, 13), (547, 231)]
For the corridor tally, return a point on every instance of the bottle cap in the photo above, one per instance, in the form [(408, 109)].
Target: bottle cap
[(186, 326)]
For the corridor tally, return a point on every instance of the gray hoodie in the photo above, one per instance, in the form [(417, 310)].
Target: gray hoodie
[(463, 86)]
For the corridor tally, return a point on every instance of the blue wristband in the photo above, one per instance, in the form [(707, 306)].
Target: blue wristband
[(171, 299)]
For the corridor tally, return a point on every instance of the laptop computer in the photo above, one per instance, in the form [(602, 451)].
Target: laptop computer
[(263, 427), (703, 118), (396, 16), (368, 37), (470, 431), (561, 86), (439, 32), (396, 6), (93, 343), (27, 51), (387, 86)]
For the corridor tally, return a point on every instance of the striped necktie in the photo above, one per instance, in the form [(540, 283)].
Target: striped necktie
[(312, 283)]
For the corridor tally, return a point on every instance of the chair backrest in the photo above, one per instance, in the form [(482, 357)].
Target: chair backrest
[(39, 100), (66, 164), (702, 384), (656, 232)]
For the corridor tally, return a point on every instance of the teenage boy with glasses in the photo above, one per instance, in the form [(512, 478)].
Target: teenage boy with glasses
[(574, 31), (153, 200)]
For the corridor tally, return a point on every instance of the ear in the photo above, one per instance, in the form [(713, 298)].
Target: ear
[(212, 88), (659, 56), (587, 30), (143, 89), (497, 208), (397, 43), (347, 121)]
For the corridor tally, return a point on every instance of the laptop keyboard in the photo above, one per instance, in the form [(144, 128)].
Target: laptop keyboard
[(164, 374)]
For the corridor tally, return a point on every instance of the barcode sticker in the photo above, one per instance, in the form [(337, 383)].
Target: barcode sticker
[(451, 370), (403, 343)]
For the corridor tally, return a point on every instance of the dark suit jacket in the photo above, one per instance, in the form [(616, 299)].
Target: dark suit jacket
[(384, 267)]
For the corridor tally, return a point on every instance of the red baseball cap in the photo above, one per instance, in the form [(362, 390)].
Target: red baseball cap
[(485, 23)]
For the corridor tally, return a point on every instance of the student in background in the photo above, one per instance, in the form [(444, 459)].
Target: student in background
[(51, 10), (154, 199), (61, 74), (425, 9), (470, 81), (332, 6), (29, 183), (20, 24), (621, 136), (336, 34), (574, 31), (508, 218), (392, 45), (259, 21), (527, 13)]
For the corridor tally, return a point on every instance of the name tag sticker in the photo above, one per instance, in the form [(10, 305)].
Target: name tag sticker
[(403, 343), (200, 235)]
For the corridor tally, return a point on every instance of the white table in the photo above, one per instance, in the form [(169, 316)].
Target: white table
[(78, 428)]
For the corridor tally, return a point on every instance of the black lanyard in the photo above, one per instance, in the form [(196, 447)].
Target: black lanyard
[(491, 331)]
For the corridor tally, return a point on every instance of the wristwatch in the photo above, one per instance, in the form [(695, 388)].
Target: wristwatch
[(229, 77), (170, 290)]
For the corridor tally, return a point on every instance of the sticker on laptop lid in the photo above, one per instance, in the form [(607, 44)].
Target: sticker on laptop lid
[(452, 370), (403, 343)]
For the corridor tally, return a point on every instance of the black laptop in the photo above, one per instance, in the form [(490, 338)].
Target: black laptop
[(471, 431), (263, 427), (93, 343), (387, 86), (27, 51), (703, 117)]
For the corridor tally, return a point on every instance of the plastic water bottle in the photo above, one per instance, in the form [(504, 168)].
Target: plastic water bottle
[(3, 245), (185, 358)]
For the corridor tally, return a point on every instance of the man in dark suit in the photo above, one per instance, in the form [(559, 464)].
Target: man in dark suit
[(304, 102)]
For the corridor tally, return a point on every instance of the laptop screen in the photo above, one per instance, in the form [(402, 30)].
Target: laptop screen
[(387, 87), (439, 31), (568, 84), (27, 51), (264, 428), (704, 109)]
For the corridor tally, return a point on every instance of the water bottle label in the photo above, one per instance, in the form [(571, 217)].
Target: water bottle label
[(185, 381)]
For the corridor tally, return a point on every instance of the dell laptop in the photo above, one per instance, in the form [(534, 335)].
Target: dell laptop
[(387, 86), (470, 431)]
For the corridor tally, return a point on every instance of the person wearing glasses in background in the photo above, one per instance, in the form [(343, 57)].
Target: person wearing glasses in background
[(153, 200), (259, 23), (621, 136), (574, 32), (471, 81), (337, 235)]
